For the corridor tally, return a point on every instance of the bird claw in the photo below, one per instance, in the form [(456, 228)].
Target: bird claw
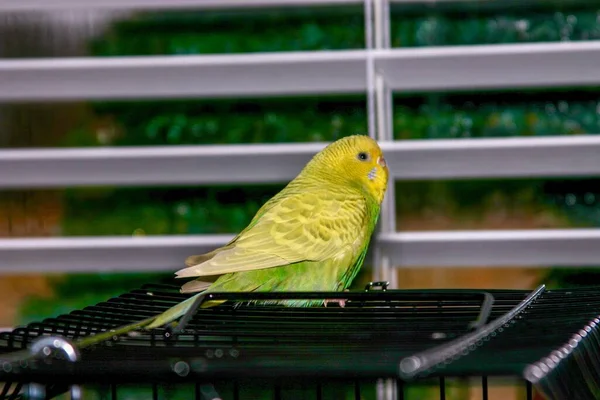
[(341, 302)]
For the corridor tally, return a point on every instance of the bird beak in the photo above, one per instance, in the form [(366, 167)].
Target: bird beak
[(381, 161)]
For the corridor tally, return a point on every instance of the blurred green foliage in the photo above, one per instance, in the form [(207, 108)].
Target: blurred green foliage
[(234, 31), (76, 291), (142, 211), (250, 389), (125, 211), (497, 114), (176, 122), (491, 26)]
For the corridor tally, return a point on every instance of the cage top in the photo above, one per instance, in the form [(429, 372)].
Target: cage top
[(404, 334)]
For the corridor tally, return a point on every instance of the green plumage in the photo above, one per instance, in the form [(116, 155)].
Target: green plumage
[(334, 274), (311, 236)]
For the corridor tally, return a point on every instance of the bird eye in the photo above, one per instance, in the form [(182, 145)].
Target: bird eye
[(362, 156)]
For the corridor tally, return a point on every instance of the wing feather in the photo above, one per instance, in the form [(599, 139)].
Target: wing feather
[(195, 286), (312, 226)]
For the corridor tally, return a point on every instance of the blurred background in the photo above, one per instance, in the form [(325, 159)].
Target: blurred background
[(428, 205)]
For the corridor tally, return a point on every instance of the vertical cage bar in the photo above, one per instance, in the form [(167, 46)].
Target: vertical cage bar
[(154, 391), (197, 392), (113, 391), (383, 132), (529, 388), (76, 393), (5, 389), (385, 24), (373, 106), (277, 391), (236, 390), (386, 389), (399, 389), (371, 117), (357, 390), (388, 208), (16, 391), (484, 387), (319, 391), (381, 11), (369, 33), (442, 388)]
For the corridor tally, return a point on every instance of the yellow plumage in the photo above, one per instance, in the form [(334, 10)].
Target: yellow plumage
[(311, 236), (324, 213), (290, 232)]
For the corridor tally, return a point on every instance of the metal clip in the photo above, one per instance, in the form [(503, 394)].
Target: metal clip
[(381, 284), (185, 318), (44, 347), (484, 313)]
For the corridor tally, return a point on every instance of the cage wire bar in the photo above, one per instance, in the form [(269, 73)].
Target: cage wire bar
[(49, 5), (516, 157), (540, 334), (386, 388), (383, 264), (375, 335)]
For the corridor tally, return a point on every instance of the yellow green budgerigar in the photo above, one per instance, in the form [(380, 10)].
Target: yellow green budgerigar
[(311, 236)]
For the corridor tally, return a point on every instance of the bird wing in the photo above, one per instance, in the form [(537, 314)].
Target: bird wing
[(304, 226)]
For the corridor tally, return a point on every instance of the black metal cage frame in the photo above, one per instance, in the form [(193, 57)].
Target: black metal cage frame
[(378, 345)]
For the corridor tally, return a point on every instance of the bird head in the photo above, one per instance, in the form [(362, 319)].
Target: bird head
[(356, 161)]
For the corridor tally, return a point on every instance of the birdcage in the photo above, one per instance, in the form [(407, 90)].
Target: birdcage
[(380, 345)]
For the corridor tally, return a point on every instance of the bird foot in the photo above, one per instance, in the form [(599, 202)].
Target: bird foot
[(341, 302)]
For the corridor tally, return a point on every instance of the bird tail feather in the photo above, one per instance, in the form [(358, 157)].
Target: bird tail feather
[(173, 313), (159, 320)]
